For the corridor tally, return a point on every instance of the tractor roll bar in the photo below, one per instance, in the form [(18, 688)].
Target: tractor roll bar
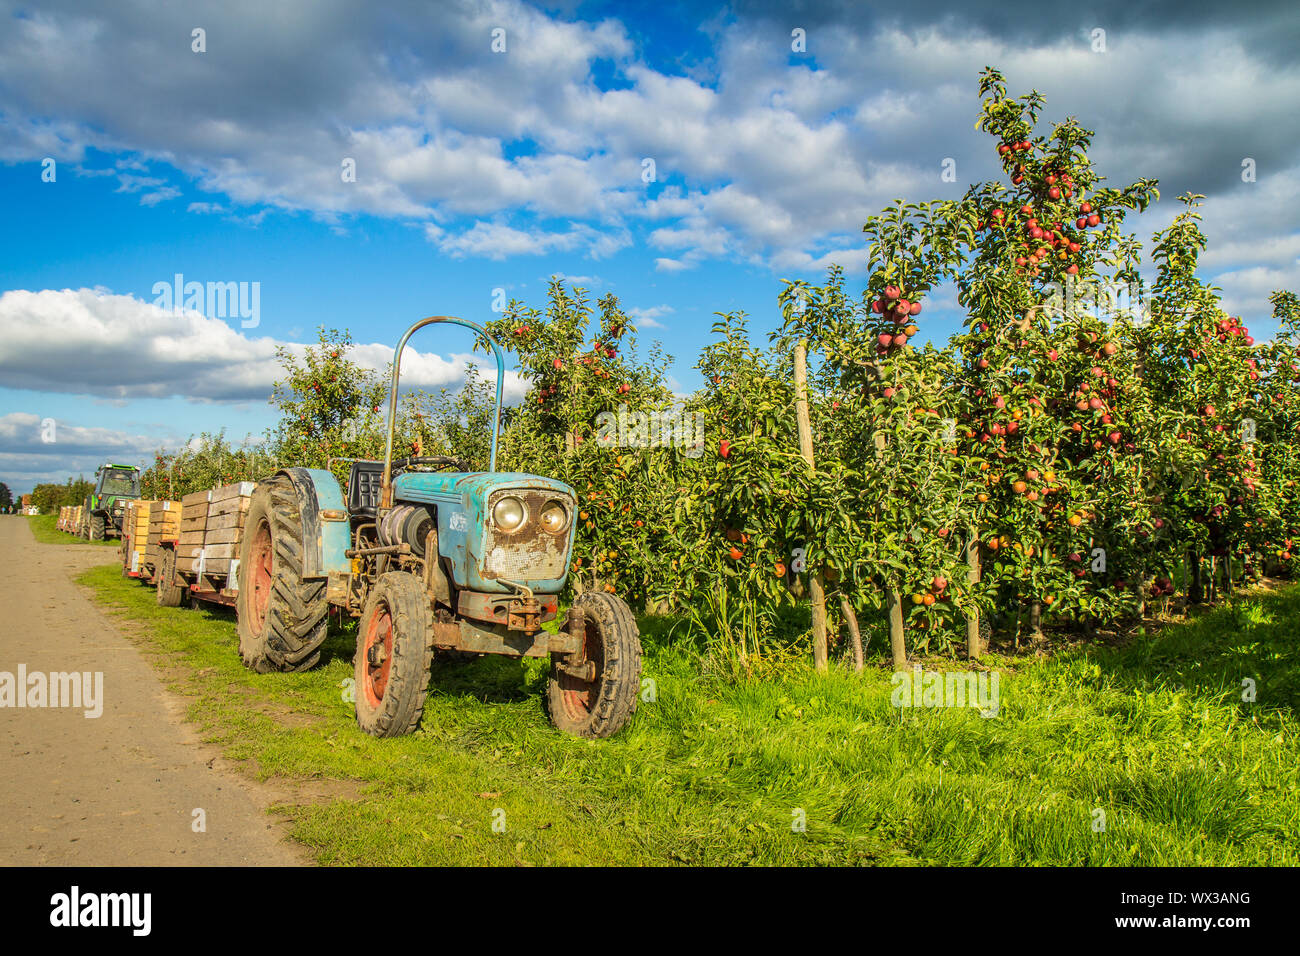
[(386, 488)]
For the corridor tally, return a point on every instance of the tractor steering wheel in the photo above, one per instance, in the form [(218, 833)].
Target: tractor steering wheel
[(403, 464)]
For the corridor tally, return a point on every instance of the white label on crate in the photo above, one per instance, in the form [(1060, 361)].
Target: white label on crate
[(167, 506), (209, 494), (135, 560), (245, 488), (232, 580), (202, 560)]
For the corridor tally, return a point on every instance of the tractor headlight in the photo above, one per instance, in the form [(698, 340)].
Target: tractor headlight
[(508, 514), (554, 518)]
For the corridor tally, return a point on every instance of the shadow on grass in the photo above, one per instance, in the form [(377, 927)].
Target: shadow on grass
[(490, 679), (1244, 650)]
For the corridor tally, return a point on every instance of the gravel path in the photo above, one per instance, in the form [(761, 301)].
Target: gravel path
[(121, 788)]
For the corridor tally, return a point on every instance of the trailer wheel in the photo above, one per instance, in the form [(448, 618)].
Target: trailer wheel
[(602, 706), (96, 532), (169, 592), (394, 652), (282, 617)]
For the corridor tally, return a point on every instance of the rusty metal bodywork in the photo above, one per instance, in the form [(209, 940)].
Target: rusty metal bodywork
[(490, 589), (465, 635), (482, 558)]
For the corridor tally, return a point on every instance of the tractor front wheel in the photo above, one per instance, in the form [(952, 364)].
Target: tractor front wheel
[(97, 528), (282, 616), (394, 652), (601, 706)]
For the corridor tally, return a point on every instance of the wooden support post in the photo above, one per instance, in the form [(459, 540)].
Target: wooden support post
[(897, 646), (818, 592), (974, 646), (893, 599)]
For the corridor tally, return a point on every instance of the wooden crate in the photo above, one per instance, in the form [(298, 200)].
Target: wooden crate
[(194, 522), (164, 525), (224, 529), (135, 527)]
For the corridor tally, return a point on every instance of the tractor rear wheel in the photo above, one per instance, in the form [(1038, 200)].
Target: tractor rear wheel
[(601, 706), (97, 529), (282, 616), (394, 652), (170, 591)]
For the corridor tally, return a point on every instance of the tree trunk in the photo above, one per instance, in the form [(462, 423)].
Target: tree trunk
[(1196, 590), (855, 636), (1036, 622)]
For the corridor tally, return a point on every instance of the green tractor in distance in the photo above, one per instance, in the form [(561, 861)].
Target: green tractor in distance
[(104, 508), (431, 558)]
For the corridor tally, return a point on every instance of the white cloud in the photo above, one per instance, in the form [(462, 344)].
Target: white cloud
[(32, 450), (143, 351), (648, 318), (767, 161), (497, 240)]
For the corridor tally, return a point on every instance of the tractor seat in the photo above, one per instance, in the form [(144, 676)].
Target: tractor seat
[(363, 487)]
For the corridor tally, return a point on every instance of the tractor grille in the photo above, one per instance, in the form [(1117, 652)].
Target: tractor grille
[(529, 554)]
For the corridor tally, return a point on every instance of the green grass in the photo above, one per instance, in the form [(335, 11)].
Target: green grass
[(45, 531), (1154, 734)]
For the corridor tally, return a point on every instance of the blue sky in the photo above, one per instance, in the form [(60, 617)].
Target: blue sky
[(479, 169)]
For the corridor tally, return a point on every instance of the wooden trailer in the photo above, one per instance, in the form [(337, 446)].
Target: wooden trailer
[(207, 547)]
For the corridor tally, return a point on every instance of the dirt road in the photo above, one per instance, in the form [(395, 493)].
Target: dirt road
[(121, 788)]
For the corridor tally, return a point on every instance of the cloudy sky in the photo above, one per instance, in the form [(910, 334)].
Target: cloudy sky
[(685, 157)]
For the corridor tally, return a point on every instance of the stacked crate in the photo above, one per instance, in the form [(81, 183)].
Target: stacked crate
[(223, 530), (211, 527), (194, 521), (63, 514), (164, 525), (135, 526), (76, 520)]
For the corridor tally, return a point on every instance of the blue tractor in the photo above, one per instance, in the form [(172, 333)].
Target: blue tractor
[(431, 561)]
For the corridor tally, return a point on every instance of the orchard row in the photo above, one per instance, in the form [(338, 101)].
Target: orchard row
[(978, 480)]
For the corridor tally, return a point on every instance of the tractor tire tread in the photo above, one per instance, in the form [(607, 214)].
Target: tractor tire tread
[(296, 614), (408, 682)]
